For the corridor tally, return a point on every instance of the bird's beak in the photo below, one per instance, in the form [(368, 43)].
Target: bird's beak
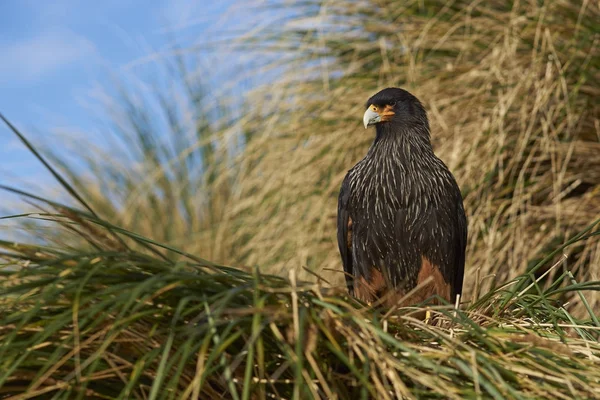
[(371, 117)]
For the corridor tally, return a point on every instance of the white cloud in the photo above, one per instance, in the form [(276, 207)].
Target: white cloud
[(34, 58)]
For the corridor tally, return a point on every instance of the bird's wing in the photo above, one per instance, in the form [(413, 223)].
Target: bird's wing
[(452, 225), (344, 232), (461, 245), (443, 241)]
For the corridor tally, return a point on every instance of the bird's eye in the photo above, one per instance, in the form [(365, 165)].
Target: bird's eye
[(393, 103)]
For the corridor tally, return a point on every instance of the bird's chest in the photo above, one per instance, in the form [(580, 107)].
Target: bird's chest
[(378, 190)]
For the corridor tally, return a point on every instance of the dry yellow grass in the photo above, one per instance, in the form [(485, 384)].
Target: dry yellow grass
[(512, 100)]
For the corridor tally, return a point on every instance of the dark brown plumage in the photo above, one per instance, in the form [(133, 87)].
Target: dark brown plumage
[(401, 222)]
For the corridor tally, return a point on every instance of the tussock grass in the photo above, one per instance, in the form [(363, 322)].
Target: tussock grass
[(110, 321), (116, 316), (511, 89)]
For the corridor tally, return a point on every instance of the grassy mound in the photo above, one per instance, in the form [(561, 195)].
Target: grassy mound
[(108, 321)]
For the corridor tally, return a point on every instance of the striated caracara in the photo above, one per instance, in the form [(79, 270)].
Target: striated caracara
[(401, 222)]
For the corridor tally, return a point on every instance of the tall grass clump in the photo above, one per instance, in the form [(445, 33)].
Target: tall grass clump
[(511, 90), (163, 143), (117, 319)]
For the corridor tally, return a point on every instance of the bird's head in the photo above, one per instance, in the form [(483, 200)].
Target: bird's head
[(394, 106)]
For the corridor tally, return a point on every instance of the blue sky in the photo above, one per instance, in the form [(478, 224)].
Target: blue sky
[(57, 55)]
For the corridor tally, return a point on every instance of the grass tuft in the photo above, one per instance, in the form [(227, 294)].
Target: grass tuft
[(104, 321)]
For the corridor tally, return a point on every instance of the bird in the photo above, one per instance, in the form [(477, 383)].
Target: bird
[(401, 223)]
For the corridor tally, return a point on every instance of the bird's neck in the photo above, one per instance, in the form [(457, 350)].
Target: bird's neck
[(409, 141)]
